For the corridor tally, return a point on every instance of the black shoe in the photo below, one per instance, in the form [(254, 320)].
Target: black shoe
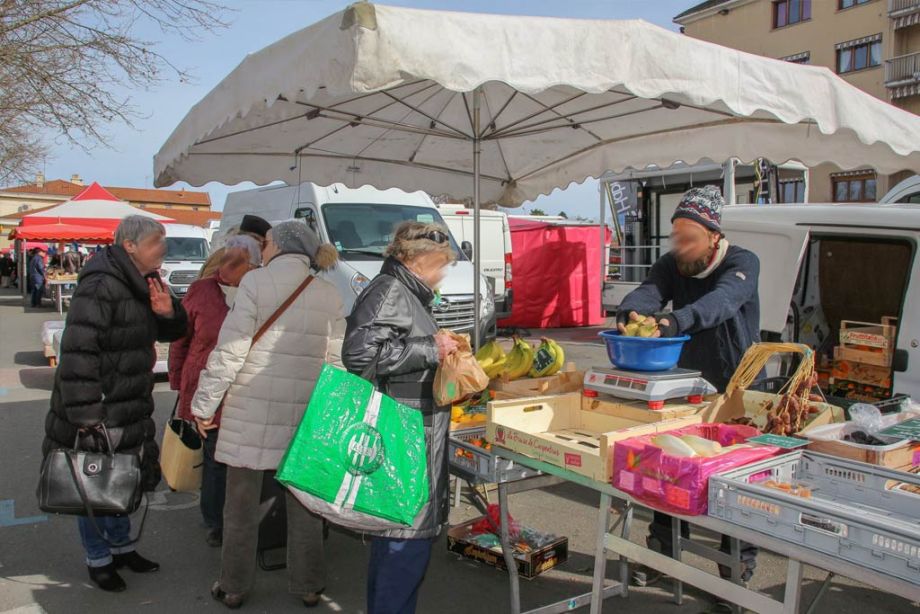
[(233, 601), (215, 538), (107, 578), (311, 600), (135, 562)]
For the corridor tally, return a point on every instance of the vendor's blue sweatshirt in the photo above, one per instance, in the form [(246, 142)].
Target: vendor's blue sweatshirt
[(721, 312)]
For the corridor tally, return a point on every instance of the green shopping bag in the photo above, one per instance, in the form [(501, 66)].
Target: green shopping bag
[(358, 457)]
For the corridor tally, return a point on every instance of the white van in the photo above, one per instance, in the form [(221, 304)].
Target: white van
[(821, 264), (187, 248), (360, 223), (495, 234), (907, 191)]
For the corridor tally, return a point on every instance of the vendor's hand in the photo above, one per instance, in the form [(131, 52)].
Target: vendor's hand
[(624, 318), (446, 345), (160, 299), (667, 325), (204, 426)]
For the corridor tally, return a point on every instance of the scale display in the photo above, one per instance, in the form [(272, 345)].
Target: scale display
[(654, 387)]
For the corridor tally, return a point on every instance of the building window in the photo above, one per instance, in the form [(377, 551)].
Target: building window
[(798, 58), (788, 12), (792, 191), (846, 4), (858, 187), (859, 54)]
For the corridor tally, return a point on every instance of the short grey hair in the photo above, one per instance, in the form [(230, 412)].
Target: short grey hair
[(136, 228), (248, 243)]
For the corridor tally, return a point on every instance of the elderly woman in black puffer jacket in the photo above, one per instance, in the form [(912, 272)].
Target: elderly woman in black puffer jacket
[(392, 324), (105, 376)]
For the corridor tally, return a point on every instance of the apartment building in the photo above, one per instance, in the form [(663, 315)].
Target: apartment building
[(872, 44)]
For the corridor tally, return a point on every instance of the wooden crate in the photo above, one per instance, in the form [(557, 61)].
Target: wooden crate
[(899, 455), (568, 380), (556, 429), (638, 410), (754, 404), (867, 334), (859, 372)]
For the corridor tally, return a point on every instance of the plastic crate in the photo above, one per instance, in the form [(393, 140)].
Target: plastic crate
[(475, 463), (860, 513)]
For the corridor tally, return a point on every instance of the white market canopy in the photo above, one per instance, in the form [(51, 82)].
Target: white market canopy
[(387, 96)]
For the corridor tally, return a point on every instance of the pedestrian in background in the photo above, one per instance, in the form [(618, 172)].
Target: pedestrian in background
[(104, 379), (37, 276), (268, 384), (6, 270), (207, 303)]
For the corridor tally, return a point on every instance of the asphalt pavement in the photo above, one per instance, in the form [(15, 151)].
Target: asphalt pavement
[(41, 561)]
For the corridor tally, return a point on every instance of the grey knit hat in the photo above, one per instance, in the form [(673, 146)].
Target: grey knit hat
[(295, 237), (703, 206)]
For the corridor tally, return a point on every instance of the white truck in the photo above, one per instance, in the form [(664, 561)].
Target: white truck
[(359, 222), (187, 248), (495, 236)]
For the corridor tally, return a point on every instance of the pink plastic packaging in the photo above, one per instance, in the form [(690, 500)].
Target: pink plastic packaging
[(680, 484)]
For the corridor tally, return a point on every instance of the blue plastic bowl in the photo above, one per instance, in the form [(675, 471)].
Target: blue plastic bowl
[(643, 353)]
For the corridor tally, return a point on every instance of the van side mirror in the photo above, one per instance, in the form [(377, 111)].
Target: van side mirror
[(467, 248), (899, 361)]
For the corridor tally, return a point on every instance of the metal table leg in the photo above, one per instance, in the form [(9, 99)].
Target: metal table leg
[(793, 594), (676, 549), (600, 554), (507, 551), (824, 586)]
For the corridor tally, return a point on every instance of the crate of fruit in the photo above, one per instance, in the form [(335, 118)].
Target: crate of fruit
[(851, 440), (472, 458), (861, 513), (867, 343), (670, 470)]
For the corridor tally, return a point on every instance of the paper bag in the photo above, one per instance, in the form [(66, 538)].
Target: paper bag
[(459, 375)]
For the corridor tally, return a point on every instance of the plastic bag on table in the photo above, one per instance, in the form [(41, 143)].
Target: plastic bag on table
[(358, 457), (866, 417), (459, 375)]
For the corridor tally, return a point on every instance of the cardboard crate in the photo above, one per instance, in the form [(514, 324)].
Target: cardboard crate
[(557, 430), (753, 404), (860, 372), (857, 391), (529, 565), (569, 380), (901, 455)]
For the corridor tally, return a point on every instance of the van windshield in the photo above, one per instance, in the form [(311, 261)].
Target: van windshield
[(194, 249), (362, 231)]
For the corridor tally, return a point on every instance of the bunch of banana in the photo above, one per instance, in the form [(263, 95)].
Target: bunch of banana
[(645, 326), (519, 360), (491, 358), (548, 360)]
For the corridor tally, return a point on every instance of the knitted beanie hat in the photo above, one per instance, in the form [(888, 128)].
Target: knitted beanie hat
[(702, 205)]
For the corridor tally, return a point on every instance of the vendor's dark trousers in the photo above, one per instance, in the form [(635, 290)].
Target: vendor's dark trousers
[(306, 564), (397, 568), (660, 532), (37, 293), (213, 485)]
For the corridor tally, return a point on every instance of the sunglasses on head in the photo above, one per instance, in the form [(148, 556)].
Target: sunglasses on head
[(436, 236)]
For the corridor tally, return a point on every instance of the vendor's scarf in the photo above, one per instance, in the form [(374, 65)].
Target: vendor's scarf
[(228, 290), (717, 257)]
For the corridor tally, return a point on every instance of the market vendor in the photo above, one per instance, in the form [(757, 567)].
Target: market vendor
[(712, 287)]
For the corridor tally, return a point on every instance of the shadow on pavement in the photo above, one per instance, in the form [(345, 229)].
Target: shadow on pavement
[(37, 379)]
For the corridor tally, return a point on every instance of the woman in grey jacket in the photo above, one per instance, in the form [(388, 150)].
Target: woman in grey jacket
[(392, 325)]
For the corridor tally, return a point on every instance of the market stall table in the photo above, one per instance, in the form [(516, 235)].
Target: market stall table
[(674, 567), (61, 289)]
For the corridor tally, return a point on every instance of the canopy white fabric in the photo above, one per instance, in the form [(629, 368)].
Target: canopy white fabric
[(387, 96)]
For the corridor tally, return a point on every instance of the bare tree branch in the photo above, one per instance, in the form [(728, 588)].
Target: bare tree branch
[(61, 61)]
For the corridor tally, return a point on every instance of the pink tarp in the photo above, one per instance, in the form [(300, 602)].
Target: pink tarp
[(557, 275)]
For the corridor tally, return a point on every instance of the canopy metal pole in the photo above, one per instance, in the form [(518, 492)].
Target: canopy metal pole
[(477, 246), (601, 222), (728, 184), (24, 268)]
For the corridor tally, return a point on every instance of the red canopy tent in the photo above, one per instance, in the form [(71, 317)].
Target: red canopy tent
[(94, 206), (62, 233), (557, 275)]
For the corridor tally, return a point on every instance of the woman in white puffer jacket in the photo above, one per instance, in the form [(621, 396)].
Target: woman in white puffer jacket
[(268, 385)]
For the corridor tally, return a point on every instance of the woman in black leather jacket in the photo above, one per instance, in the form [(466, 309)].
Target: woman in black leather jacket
[(392, 324)]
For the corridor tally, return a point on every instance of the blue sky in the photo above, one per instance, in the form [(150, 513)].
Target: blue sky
[(257, 23)]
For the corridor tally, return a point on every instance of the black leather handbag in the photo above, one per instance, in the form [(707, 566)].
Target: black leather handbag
[(83, 483)]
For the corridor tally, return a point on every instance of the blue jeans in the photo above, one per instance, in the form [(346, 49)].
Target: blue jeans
[(37, 293), (117, 530), (397, 568)]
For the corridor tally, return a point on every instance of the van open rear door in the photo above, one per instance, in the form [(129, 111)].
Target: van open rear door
[(780, 248)]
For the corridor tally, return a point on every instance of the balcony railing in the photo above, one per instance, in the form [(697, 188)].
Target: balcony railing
[(899, 7), (902, 70)]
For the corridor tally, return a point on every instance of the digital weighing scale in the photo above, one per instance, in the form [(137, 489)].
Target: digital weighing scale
[(655, 387)]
